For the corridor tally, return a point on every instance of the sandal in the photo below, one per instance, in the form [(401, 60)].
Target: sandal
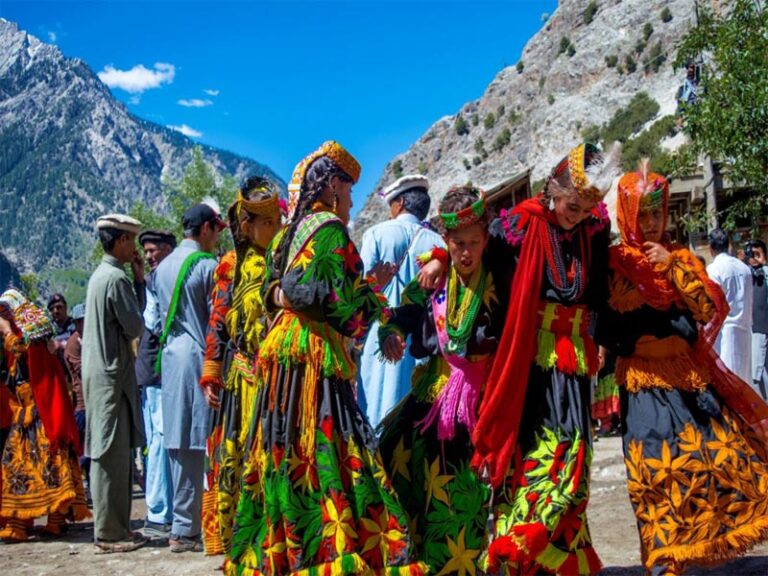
[(104, 547), (184, 544)]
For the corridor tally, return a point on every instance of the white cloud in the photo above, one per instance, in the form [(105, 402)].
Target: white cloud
[(195, 103), (52, 36), (186, 130), (138, 79), (212, 92), (135, 100)]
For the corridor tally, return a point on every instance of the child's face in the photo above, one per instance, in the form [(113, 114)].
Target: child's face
[(466, 246)]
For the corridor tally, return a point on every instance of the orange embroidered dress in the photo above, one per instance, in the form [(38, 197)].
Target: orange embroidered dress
[(697, 472)]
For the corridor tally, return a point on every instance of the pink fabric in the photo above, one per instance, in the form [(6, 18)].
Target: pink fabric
[(459, 397)]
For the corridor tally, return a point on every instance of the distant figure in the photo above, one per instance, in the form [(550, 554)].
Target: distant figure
[(734, 344), (157, 244), (183, 283), (397, 242), (63, 322), (755, 256), (687, 92), (73, 360), (114, 425)]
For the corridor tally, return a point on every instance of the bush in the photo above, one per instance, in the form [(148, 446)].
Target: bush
[(629, 120), (480, 146), (550, 99), (542, 80), (422, 168), (475, 120), (611, 60), (620, 69), (467, 164), (513, 117), (655, 58), (564, 43), (589, 12), (571, 51), (477, 160), (500, 111), (647, 31), (648, 144), (520, 67), (502, 140), (630, 63), (591, 134), (489, 121), (666, 14), (397, 168), (639, 47), (460, 126)]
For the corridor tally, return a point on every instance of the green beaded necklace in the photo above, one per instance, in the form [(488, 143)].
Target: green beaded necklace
[(461, 317)]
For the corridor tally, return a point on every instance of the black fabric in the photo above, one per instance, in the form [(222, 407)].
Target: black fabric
[(760, 302), (149, 345), (619, 332)]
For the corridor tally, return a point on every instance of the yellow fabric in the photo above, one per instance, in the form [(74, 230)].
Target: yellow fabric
[(664, 363), (245, 318)]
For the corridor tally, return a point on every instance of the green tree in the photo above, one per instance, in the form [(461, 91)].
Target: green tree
[(397, 168), (502, 140), (647, 31), (30, 286), (565, 42), (460, 126), (520, 66), (589, 12), (611, 60), (666, 14), (630, 63), (729, 122), (489, 121)]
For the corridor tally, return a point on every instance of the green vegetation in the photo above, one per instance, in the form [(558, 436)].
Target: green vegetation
[(611, 60), (502, 140), (397, 168), (729, 123), (630, 63), (647, 145), (639, 47), (422, 168), (460, 126), (520, 66), (489, 121), (513, 117), (467, 164), (480, 148), (550, 99), (666, 14), (647, 31), (500, 111), (542, 80), (626, 122), (655, 58), (475, 120), (571, 51), (537, 185), (565, 42), (591, 134), (589, 12), (30, 286), (477, 160)]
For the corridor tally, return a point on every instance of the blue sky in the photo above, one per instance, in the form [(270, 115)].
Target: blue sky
[(272, 80)]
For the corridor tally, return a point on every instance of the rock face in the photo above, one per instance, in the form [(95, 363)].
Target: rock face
[(69, 151), (562, 85), (9, 276)]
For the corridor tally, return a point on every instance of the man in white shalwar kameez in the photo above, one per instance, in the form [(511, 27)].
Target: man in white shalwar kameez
[(398, 242), (734, 343)]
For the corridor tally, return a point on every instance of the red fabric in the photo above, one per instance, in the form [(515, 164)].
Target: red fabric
[(495, 435), (54, 405)]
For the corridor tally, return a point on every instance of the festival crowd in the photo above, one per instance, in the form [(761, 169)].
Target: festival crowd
[(423, 405)]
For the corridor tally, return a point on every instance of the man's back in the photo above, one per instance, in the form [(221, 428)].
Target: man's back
[(735, 278)]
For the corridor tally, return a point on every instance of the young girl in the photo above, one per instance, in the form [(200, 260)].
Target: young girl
[(427, 441), (236, 325), (697, 472)]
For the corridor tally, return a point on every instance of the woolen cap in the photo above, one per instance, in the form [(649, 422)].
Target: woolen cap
[(119, 222), (404, 184), (158, 237)]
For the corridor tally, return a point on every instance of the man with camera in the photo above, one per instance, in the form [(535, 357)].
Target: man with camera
[(754, 255)]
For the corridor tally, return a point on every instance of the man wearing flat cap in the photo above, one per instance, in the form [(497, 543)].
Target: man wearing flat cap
[(183, 283), (398, 242), (157, 244), (114, 425)]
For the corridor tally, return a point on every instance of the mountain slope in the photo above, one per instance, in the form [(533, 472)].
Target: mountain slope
[(71, 151), (566, 81)]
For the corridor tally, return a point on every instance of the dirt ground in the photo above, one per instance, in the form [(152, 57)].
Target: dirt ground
[(610, 516)]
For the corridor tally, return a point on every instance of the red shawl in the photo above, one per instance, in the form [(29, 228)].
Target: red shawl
[(496, 433)]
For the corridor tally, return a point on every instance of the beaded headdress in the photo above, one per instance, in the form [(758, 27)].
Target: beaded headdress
[(332, 150), (466, 216), (34, 323), (591, 171)]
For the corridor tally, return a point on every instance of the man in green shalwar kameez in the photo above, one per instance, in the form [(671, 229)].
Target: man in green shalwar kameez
[(114, 425)]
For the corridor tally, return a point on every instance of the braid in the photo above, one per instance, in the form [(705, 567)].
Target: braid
[(316, 180)]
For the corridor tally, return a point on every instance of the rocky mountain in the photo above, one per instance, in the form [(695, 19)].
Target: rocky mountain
[(69, 151), (589, 60), (9, 276)]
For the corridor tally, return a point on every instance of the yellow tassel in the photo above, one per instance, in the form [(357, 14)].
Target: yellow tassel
[(546, 357)]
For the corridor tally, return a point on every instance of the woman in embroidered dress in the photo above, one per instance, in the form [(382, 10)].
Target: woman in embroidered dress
[(235, 329), (533, 435), (40, 470), (315, 496), (426, 441), (694, 436)]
